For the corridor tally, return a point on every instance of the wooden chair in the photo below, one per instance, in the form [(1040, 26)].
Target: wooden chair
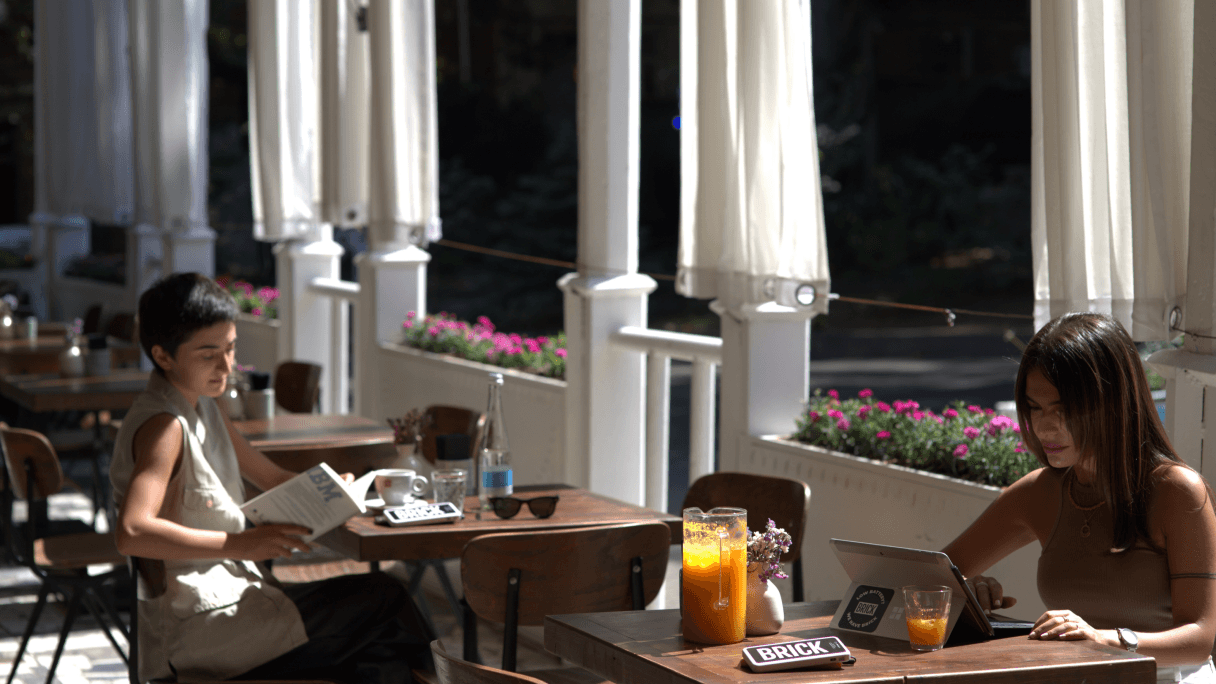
[(122, 327), (297, 386), (445, 420), (518, 579), (456, 671), (91, 322), (786, 502), (60, 562)]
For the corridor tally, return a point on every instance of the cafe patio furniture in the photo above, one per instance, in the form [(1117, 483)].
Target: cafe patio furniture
[(518, 579), (297, 386), (456, 671), (445, 420), (647, 646), (785, 501), (61, 562)]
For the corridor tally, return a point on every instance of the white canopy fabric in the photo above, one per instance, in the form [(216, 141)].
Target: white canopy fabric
[(284, 119), (169, 80), (320, 90), (751, 205), (82, 125), (1112, 158)]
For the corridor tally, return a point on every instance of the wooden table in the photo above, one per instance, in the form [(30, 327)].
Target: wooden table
[(362, 539), (41, 356), (299, 441), (646, 646), (44, 392)]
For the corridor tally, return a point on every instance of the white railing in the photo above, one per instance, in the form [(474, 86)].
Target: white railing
[(661, 347), (342, 294)]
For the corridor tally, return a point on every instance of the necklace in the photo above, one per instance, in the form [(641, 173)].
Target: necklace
[(1090, 510)]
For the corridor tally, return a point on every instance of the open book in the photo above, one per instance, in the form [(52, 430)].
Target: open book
[(317, 498)]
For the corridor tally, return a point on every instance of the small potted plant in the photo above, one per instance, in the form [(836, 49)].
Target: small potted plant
[(407, 435), (765, 614)]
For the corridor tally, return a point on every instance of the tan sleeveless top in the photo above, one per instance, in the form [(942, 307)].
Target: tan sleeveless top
[(217, 618), (1128, 589)]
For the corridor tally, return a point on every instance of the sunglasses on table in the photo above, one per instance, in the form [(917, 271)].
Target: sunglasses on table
[(508, 506)]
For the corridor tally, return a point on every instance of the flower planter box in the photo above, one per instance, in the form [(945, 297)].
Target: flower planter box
[(257, 342), (866, 500), (533, 406)]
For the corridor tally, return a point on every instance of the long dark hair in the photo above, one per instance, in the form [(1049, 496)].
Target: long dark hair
[(1109, 410)]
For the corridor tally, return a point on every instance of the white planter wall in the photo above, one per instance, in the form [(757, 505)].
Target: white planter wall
[(257, 342), (74, 296), (864, 500), (534, 407)]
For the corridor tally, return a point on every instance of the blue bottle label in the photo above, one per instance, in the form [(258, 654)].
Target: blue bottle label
[(496, 479)]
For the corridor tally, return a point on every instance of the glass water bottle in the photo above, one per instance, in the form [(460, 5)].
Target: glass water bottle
[(495, 453)]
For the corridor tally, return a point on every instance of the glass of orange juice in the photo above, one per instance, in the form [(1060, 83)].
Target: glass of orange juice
[(927, 611), (715, 575)]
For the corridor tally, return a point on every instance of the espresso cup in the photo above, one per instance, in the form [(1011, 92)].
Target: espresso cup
[(398, 486)]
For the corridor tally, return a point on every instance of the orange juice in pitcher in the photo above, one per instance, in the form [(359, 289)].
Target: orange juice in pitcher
[(715, 575)]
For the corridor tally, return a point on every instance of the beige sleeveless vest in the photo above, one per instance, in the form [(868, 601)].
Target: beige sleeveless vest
[(216, 618)]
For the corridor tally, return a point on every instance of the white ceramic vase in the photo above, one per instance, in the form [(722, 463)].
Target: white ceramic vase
[(765, 613)]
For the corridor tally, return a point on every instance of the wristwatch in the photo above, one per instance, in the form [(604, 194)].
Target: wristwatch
[(1129, 639)]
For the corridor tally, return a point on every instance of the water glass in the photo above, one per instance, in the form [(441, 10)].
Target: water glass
[(927, 610), (450, 486)]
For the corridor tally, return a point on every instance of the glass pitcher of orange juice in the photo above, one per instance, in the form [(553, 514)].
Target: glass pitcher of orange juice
[(715, 575)]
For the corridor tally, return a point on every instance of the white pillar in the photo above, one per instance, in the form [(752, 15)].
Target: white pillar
[(305, 318), (190, 248), (391, 284), (766, 351), (606, 386), (69, 238), (40, 235)]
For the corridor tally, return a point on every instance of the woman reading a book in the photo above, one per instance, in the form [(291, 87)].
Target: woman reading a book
[(1127, 530), (177, 470)]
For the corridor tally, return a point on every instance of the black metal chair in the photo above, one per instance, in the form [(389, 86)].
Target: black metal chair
[(60, 562)]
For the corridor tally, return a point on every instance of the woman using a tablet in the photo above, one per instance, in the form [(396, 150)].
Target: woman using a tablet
[(1127, 530)]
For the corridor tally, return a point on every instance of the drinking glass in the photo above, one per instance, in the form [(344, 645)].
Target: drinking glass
[(450, 486), (715, 575), (927, 610)]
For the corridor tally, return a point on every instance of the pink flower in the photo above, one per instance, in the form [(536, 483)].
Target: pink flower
[(561, 353), (998, 424), (971, 432), (244, 287), (532, 345), (950, 413), (814, 416), (542, 339), (883, 434), (842, 424), (433, 331), (407, 324), (883, 406), (257, 311), (1017, 428), (975, 409), (1020, 448), (833, 394), (223, 281), (866, 393), (411, 315), (989, 412), (835, 414), (960, 451), (863, 411), (268, 294), (918, 415), (939, 419)]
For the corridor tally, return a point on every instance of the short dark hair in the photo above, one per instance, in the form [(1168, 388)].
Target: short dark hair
[(178, 305), (1109, 410)]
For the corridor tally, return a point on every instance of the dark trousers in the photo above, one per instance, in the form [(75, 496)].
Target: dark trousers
[(361, 629)]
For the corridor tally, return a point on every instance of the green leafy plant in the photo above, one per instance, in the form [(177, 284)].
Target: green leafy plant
[(967, 442), (444, 334)]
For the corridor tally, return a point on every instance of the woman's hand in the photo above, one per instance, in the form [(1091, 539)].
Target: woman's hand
[(267, 541), (1065, 624), (989, 593)]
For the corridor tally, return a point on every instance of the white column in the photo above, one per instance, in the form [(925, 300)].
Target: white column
[(40, 234), (766, 353), (305, 318), (606, 386), (391, 284), (69, 238)]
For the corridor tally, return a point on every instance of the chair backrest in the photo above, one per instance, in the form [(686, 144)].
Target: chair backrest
[(122, 326), (297, 385), (24, 448), (91, 321), (786, 502), (444, 420), (456, 671), (518, 579)]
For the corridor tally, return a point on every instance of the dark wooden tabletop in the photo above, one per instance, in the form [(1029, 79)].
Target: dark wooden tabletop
[(646, 646), (23, 356), (313, 431), (363, 540), (50, 392)]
